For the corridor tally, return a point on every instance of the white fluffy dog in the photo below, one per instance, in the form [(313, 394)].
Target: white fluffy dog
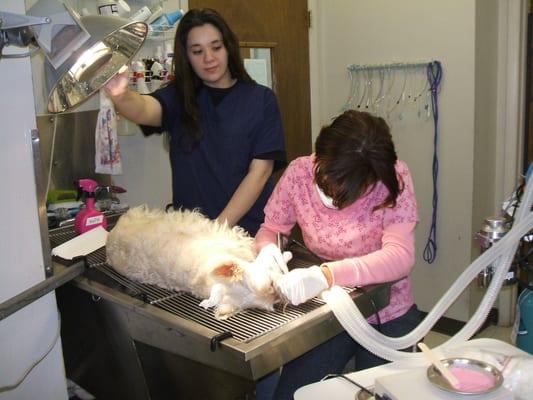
[(184, 250)]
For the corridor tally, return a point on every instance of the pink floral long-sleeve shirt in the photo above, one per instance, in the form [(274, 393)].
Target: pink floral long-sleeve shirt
[(365, 246)]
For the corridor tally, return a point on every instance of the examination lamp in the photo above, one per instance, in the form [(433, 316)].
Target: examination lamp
[(82, 52)]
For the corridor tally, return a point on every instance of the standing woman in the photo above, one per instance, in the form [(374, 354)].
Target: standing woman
[(226, 135), (355, 204)]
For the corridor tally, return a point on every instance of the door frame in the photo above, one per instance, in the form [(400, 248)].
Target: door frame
[(510, 102)]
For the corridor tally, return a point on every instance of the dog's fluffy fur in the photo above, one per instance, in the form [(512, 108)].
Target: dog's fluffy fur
[(184, 250)]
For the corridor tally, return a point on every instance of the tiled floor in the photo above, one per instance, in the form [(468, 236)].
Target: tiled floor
[(502, 333)]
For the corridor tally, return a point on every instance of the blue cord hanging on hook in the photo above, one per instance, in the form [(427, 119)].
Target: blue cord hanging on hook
[(434, 74)]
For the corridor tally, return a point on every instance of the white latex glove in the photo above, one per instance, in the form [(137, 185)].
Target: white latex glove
[(272, 260), (302, 284)]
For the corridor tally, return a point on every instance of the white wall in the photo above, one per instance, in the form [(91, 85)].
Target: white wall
[(146, 167), (381, 31), (26, 335)]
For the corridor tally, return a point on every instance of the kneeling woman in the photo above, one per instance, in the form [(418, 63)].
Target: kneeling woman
[(355, 204)]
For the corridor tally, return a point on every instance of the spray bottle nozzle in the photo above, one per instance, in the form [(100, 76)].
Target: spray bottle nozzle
[(86, 187)]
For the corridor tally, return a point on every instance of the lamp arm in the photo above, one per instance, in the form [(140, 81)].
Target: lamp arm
[(15, 29), (11, 20)]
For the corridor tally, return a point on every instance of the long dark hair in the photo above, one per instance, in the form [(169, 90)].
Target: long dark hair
[(186, 81), (353, 154)]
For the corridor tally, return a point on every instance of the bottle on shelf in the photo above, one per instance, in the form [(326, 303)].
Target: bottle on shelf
[(110, 7), (89, 217), (167, 62), (166, 21), (139, 77), (147, 14), (141, 15), (156, 13)]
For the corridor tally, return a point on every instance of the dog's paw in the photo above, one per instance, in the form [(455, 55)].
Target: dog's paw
[(215, 297), (224, 311)]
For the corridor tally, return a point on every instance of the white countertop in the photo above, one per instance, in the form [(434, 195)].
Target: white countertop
[(339, 389)]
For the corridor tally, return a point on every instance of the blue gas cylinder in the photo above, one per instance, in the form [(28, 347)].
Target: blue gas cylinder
[(524, 339)]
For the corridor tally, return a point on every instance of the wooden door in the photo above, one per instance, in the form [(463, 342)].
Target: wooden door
[(282, 26)]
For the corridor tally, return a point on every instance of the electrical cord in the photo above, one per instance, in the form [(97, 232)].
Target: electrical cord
[(8, 388), (374, 307), (342, 376), (524, 258), (521, 260), (434, 73), (518, 198)]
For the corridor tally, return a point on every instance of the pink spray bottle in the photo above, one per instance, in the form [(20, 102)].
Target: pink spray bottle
[(89, 217)]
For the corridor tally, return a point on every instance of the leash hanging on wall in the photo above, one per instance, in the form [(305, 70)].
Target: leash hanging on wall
[(399, 92), (434, 72)]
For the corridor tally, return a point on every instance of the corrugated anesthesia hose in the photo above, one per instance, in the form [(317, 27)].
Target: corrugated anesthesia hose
[(500, 255)]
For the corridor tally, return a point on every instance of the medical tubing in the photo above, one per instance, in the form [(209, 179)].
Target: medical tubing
[(345, 311), (503, 251), (501, 267), (443, 304), (342, 376), (352, 320), (343, 307), (500, 270), (455, 290), (343, 314)]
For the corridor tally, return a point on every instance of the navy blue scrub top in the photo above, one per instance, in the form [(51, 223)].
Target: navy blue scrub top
[(244, 125)]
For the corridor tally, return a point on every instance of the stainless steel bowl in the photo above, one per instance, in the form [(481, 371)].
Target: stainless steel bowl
[(439, 381)]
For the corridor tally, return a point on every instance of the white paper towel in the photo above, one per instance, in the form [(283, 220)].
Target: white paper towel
[(82, 245)]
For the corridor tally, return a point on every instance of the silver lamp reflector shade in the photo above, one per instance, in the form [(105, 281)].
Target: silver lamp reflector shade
[(113, 42)]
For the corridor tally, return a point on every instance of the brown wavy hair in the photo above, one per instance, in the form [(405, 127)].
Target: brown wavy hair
[(186, 81), (352, 155)]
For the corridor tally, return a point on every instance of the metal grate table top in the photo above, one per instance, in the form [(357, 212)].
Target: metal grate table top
[(243, 326)]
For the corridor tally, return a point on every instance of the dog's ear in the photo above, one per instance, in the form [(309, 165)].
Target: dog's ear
[(228, 270)]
